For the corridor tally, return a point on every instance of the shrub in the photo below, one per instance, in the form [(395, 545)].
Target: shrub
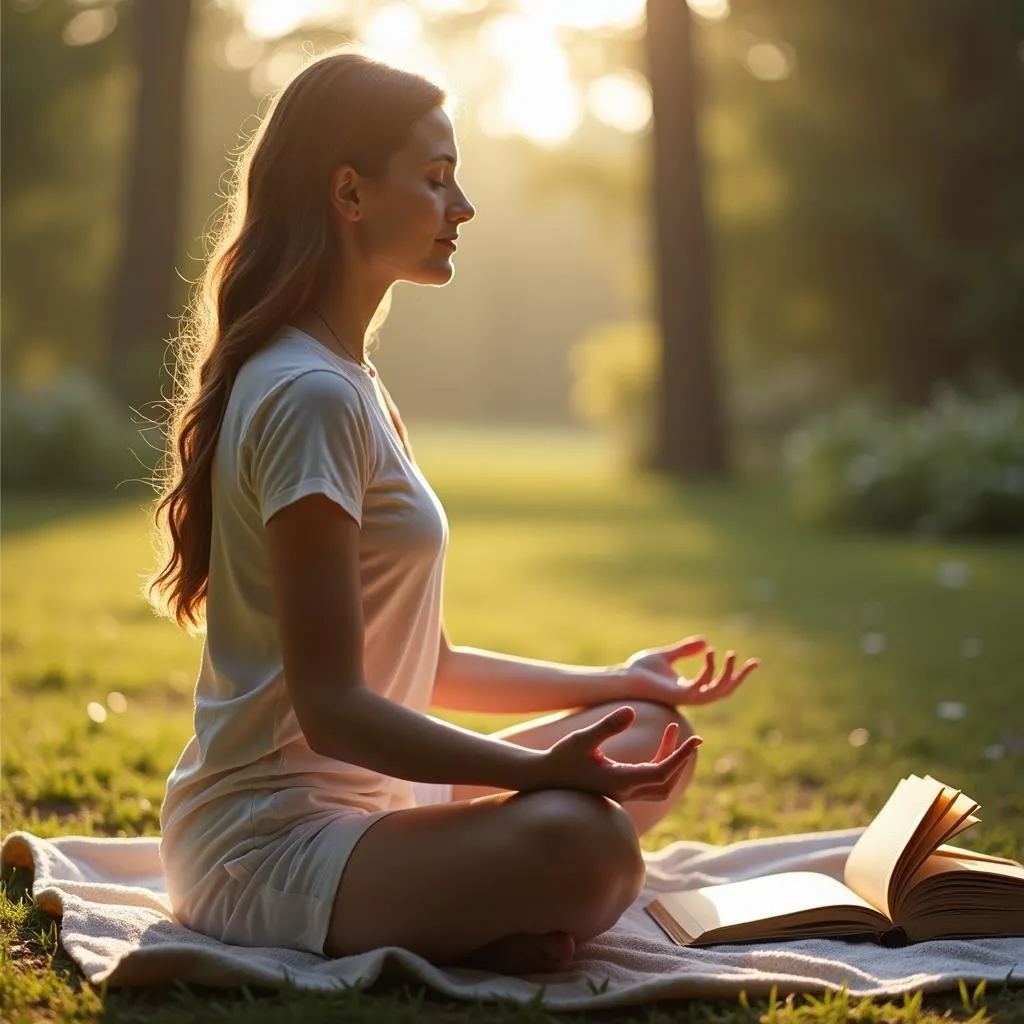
[(69, 436), (954, 467), (614, 368)]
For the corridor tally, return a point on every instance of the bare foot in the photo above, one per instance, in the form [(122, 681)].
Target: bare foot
[(524, 954)]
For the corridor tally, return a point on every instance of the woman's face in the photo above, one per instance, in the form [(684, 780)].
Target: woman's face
[(404, 216)]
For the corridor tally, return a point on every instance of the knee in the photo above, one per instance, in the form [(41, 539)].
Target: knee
[(657, 716), (649, 726), (591, 845)]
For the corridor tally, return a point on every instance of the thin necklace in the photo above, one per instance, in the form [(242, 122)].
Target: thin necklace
[(362, 362)]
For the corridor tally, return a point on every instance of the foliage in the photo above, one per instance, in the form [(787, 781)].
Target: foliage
[(614, 369), (954, 467), (893, 243), (63, 135), (68, 435)]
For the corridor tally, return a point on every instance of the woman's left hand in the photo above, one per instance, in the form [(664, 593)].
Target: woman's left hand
[(649, 674)]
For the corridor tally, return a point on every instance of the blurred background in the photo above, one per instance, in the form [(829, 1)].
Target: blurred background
[(734, 346), (761, 239)]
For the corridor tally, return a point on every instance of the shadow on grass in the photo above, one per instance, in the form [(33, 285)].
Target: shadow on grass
[(26, 513), (733, 554)]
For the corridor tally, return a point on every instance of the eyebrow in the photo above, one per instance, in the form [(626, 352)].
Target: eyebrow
[(442, 158)]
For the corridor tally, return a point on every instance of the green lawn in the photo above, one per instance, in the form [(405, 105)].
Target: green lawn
[(555, 553)]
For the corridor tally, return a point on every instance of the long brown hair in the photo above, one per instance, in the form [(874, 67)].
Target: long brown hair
[(275, 253)]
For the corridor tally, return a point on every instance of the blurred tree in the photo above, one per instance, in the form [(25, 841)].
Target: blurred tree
[(897, 132), (690, 430), (144, 289), (66, 73)]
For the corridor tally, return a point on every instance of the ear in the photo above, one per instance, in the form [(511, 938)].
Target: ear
[(345, 183)]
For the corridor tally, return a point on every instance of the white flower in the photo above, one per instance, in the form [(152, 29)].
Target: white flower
[(953, 574), (873, 643), (970, 647)]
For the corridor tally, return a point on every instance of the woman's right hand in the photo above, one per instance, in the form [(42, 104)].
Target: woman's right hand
[(576, 762)]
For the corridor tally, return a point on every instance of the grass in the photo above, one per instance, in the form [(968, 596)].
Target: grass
[(555, 553)]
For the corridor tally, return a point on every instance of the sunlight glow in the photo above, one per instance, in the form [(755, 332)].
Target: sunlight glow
[(713, 10), (392, 29), (621, 99), (538, 100), (241, 50), (452, 6), (586, 14), (275, 73), (271, 19), (394, 33)]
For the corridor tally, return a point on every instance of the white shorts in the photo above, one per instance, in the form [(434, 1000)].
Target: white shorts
[(282, 892)]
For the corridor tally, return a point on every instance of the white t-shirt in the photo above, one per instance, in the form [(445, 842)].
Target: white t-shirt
[(302, 420)]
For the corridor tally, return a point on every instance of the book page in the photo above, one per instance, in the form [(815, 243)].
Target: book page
[(876, 856), (964, 896), (973, 855), (957, 816), (747, 908)]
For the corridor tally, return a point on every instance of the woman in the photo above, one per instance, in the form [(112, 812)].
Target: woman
[(298, 526)]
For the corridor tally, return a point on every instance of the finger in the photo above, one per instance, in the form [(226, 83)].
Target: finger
[(685, 648), (709, 669), (748, 666), (658, 789), (665, 766), (668, 741), (725, 686), (661, 790), (728, 667)]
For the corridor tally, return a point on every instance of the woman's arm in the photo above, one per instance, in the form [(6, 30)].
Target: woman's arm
[(314, 556), (482, 681), (469, 679)]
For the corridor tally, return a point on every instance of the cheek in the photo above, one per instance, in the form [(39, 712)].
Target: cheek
[(413, 216)]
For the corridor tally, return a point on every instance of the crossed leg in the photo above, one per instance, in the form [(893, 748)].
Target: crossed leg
[(504, 881)]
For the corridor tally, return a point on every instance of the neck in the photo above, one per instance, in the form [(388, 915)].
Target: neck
[(348, 303)]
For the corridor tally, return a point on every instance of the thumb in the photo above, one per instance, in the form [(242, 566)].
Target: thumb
[(615, 722), (686, 648)]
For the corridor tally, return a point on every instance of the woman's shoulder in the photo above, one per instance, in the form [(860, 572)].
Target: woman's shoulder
[(292, 363), (289, 381), (289, 354)]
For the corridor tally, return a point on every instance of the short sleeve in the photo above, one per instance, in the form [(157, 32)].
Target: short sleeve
[(311, 437)]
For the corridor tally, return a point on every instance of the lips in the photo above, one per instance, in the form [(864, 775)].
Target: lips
[(449, 243)]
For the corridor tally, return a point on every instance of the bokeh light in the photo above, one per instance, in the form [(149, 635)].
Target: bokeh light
[(622, 100), (586, 14), (769, 61), (712, 10), (538, 98), (90, 26), (392, 29)]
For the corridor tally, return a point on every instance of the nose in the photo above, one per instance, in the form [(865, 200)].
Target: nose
[(462, 210)]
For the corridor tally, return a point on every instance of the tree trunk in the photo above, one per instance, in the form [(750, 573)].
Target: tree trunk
[(145, 286), (690, 432)]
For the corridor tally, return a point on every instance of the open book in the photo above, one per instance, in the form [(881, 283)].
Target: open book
[(902, 884)]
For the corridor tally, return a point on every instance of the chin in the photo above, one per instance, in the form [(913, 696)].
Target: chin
[(434, 274)]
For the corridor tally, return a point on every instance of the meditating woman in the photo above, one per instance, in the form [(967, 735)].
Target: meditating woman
[(318, 805)]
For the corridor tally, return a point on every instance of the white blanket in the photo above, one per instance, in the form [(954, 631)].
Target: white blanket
[(117, 926)]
